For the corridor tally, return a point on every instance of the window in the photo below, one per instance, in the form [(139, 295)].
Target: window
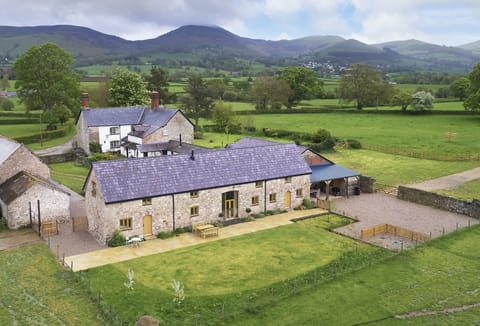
[(165, 131), (299, 192), (94, 189), (288, 179), (259, 184), (194, 211), (115, 144), (114, 130), (254, 200), (272, 197), (146, 201), (193, 194), (126, 223)]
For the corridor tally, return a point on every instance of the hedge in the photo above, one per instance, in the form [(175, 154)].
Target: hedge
[(46, 135)]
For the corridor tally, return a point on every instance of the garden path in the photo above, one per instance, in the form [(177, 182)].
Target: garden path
[(150, 247)]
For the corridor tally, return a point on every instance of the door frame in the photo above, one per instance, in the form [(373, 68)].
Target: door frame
[(287, 199), (149, 219)]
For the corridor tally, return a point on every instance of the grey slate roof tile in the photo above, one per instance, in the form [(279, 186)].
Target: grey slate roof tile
[(113, 116), (130, 179)]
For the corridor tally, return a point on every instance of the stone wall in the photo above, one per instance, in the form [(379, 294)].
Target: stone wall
[(454, 205), (23, 160), (54, 204), (58, 158), (175, 209), (178, 125), (83, 134), (367, 184)]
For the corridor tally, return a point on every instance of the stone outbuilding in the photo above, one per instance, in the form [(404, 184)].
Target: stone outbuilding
[(23, 195), (15, 157), (143, 196)]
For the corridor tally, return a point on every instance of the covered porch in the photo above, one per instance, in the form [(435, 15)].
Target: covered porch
[(331, 180)]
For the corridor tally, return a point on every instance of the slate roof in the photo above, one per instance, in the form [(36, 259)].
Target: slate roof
[(7, 148), (130, 179), (251, 142), (17, 185), (171, 145), (323, 172), (113, 116), (157, 118)]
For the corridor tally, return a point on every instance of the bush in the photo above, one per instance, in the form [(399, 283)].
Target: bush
[(95, 147), (7, 104), (165, 235), (307, 203), (117, 239), (355, 144), (259, 215), (180, 230), (248, 210), (102, 157)]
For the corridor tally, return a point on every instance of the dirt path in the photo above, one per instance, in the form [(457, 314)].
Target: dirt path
[(17, 238), (60, 149), (449, 181), (427, 312)]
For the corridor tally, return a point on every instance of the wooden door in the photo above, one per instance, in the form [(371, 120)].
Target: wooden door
[(147, 225), (288, 199)]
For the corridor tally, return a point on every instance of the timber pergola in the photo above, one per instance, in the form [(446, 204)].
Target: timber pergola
[(330, 173)]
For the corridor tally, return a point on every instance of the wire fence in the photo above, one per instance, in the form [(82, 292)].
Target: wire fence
[(448, 157)]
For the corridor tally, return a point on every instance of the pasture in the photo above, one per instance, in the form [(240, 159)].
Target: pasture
[(71, 174), (36, 290), (225, 271), (467, 191)]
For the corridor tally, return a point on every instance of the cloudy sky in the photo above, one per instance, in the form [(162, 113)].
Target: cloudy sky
[(447, 22)]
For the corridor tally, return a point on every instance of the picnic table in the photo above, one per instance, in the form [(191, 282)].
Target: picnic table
[(204, 229)]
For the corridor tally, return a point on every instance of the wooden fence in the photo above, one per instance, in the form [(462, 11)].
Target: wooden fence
[(48, 229), (79, 223), (395, 230)]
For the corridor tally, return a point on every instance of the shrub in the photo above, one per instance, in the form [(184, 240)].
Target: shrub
[(95, 147), (259, 215), (307, 203), (248, 210), (117, 239), (102, 157), (355, 144), (7, 104), (180, 230), (165, 235)]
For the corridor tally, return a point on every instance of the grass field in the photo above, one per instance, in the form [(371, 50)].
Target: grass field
[(13, 131), (424, 133), (36, 290), (71, 174), (439, 275), (222, 271), (466, 191)]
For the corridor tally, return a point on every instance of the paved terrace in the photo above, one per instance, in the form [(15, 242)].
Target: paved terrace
[(151, 247)]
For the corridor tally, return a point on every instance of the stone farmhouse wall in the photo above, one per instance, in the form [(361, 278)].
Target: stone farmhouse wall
[(178, 125), (450, 204), (54, 204), (83, 134), (170, 210), (23, 160)]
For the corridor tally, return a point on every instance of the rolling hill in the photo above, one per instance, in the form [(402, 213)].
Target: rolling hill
[(91, 47)]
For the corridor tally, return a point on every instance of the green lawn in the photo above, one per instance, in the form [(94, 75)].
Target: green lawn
[(423, 133), (13, 131), (442, 274), (71, 174), (467, 191), (36, 290), (223, 271)]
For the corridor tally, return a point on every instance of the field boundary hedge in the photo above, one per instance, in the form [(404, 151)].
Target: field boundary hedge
[(45, 135), (354, 111)]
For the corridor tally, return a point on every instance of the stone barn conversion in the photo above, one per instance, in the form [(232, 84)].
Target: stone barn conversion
[(143, 196), (124, 128)]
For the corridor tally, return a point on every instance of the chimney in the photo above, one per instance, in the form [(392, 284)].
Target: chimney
[(192, 156), (155, 97), (85, 104)]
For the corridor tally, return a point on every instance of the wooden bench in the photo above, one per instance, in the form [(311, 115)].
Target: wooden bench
[(195, 226), (210, 232)]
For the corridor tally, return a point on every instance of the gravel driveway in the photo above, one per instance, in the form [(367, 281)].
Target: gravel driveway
[(379, 208)]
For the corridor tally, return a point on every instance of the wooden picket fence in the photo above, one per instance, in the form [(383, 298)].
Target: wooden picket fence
[(395, 230)]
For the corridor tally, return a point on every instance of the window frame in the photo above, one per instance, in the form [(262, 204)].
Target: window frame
[(115, 129), (126, 223), (194, 194), (147, 201), (258, 184), (288, 179), (115, 141), (272, 197), (299, 193), (255, 200), (194, 211)]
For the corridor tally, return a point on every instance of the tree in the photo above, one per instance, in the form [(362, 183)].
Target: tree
[(158, 81), (4, 84), (270, 91), (459, 87), (127, 89), (472, 100), (305, 83), (364, 85), (216, 88), (224, 117), (45, 79), (6, 104), (402, 99), (422, 101), (197, 101)]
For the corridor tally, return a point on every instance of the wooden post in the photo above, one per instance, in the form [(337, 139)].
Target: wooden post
[(327, 188), (39, 219)]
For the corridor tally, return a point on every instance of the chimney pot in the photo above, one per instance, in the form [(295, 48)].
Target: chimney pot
[(85, 101), (155, 97)]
